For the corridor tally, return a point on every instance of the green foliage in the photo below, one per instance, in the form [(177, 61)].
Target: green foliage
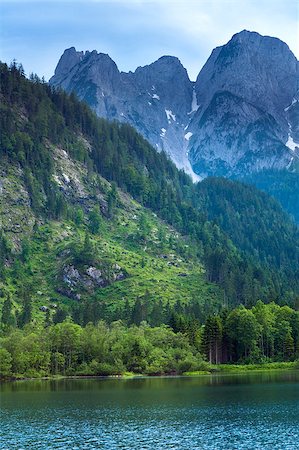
[(5, 363), (5, 252), (212, 339), (257, 226), (243, 329), (95, 220), (78, 216), (248, 247), (282, 185), (68, 349), (267, 332), (59, 316), (112, 199), (26, 313), (8, 318), (144, 227), (34, 117)]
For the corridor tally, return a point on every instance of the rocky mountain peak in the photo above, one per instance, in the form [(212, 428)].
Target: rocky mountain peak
[(240, 116), (167, 69), (246, 127), (248, 65), (67, 61)]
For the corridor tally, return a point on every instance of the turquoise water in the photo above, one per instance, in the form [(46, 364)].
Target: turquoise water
[(257, 411)]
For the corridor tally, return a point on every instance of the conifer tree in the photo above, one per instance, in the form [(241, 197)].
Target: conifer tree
[(8, 318)]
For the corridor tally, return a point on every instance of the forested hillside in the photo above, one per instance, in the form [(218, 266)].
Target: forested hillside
[(249, 217), (81, 194), (282, 185)]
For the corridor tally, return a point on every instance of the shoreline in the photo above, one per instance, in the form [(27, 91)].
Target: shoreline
[(226, 369), (221, 369)]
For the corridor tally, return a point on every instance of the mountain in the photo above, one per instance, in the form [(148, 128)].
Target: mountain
[(238, 118), (93, 218), (155, 99), (71, 241), (248, 115)]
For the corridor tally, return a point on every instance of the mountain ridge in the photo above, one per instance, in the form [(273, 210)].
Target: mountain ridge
[(161, 102)]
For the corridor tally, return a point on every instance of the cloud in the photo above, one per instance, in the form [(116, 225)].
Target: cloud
[(136, 32)]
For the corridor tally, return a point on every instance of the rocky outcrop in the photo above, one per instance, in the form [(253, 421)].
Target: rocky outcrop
[(17, 218), (73, 281), (240, 116)]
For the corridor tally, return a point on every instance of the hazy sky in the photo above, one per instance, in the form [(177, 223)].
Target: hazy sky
[(136, 32)]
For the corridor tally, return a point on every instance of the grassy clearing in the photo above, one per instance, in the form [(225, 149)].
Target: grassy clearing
[(165, 269), (243, 368)]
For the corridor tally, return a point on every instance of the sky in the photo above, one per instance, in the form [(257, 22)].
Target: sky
[(136, 32)]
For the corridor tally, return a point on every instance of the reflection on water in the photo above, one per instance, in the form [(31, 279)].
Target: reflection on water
[(250, 411)]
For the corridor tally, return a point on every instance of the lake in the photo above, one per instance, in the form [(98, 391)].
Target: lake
[(250, 411)]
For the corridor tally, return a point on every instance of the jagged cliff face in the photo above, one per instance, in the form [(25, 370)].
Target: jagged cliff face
[(155, 99), (239, 117), (245, 122)]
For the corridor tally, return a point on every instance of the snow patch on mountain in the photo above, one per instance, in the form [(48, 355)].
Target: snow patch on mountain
[(292, 104), (194, 104), (291, 144), (188, 135), (169, 115)]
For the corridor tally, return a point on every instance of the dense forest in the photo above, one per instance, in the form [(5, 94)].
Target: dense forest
[(282, 185), (247, 216), (197, 251), (259, 335)]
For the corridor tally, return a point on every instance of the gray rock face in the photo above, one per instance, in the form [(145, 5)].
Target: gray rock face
[(155, 99), (240, 116), (73, 279), (245, 122)]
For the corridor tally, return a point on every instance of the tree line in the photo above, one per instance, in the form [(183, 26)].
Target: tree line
[(69, 349), (264, 333)]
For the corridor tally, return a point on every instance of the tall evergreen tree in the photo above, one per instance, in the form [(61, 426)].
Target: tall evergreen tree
[(8, 318)]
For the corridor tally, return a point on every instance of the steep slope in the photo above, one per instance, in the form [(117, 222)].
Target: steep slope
[(62, 159), (155, 99), (117, 275), (70, 242), (282, 185), (246, 122), (239, 117), (247, 216)]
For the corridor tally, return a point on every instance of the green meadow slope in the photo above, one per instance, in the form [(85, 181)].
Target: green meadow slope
[(96, 224)]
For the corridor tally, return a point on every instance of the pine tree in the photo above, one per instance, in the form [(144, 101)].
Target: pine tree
[(212, 339), (48, 321), (288, 347), (156, 317), (138, 312), (59, 316), (87, 254), (4, 252), (95, 220), (8, 318), (26, 313), (144, 227), (78, 216), (112, 199)]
